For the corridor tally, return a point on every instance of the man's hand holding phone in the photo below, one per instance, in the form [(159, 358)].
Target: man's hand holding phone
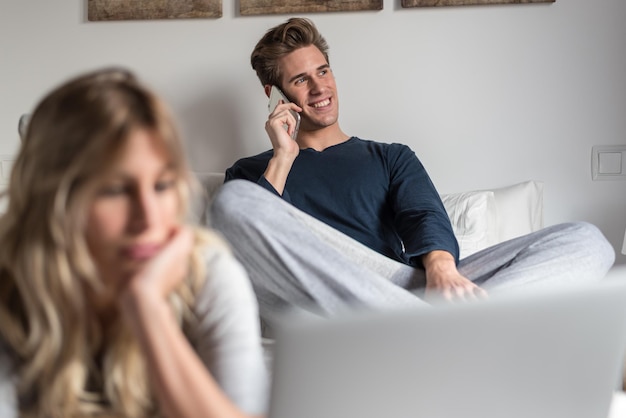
[(287, 114), (282, 127)]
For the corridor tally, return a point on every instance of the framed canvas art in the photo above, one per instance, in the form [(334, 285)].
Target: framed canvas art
[(430, 3), (152, 9), (263, 7)]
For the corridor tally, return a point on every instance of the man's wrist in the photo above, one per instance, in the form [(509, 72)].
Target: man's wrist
[(438, 259), (277, 170)]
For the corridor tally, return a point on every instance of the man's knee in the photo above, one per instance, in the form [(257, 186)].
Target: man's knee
[(590, 240), (232, 202)]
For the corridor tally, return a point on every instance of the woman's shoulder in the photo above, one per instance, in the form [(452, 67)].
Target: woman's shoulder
[(224, 277), (215, 252), (210, 243)]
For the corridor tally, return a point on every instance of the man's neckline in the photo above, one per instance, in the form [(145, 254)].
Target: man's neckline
[(349, 139)]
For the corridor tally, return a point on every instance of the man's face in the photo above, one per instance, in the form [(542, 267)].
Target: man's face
[(309, 82)]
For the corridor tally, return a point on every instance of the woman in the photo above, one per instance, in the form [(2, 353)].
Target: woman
[(112, 304)]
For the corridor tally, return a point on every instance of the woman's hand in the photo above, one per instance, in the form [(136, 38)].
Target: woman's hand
[(166, 270), (160, 275), (183, 386)]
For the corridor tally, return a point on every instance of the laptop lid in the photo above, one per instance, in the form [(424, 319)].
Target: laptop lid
[(552, 354)]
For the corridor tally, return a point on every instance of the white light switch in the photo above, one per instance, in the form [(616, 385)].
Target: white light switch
[(608, 162)]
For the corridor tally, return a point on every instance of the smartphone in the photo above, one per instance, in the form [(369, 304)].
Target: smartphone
[(275, 96)]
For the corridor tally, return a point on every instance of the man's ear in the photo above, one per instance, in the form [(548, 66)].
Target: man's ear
[(268, 89)]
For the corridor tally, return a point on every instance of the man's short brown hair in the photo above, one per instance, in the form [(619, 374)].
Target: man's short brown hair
[(281, 40)]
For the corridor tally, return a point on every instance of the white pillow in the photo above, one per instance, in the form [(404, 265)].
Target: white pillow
[(473, 218), (483, 218), (519, 209)]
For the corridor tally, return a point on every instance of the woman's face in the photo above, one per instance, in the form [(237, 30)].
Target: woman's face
[(133, 212)]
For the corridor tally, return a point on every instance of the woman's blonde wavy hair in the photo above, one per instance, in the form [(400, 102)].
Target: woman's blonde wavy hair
[(67, 364)]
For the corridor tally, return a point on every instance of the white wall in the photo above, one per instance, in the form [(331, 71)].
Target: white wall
[(486, 95)]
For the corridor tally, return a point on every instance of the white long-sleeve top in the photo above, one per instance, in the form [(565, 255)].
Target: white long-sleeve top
[(227, 338)]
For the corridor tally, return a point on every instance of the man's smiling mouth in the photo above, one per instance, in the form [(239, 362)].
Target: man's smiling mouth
[(323, 103)]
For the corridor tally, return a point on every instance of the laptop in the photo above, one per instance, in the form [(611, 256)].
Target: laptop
[(540, 355)]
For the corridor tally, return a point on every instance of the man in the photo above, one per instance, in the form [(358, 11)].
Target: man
[(384, 233)]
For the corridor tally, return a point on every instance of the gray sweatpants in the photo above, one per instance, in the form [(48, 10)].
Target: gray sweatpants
[(296, 261)]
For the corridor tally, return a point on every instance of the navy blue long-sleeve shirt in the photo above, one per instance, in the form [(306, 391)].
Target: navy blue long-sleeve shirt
[(376, 193)]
